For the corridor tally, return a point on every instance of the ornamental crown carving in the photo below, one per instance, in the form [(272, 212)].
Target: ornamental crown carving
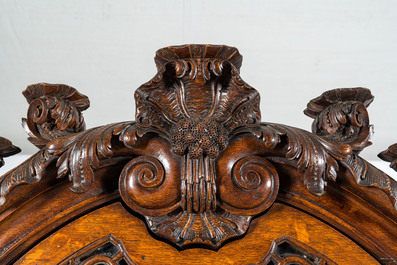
[(198, 163)]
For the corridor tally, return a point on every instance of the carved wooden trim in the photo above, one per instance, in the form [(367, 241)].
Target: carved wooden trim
[(54, 111), (201, 163), (390, 155), (287, 250), (107, 250), (340, 116), (7, 149)]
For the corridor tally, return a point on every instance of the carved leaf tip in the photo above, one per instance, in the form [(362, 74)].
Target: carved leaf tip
[(316, 157), (270, 135), (30, 171), (38, 90)]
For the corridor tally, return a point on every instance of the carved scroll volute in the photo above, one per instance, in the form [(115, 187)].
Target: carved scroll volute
[(54, 111), (194, 102), (340, 115), (146, 189), (253, 180)]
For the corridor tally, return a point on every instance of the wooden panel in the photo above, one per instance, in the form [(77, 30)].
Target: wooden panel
[(280, 220)]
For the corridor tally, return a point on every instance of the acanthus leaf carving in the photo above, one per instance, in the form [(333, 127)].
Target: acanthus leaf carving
[(79, 154), (390, 155), (340, 116), (317, 158), (54, 111), (30, 171), (196, 111)]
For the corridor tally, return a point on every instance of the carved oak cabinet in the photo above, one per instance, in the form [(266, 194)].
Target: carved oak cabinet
[(197, 178)]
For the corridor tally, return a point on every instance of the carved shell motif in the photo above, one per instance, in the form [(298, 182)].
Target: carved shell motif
[(195, 101)]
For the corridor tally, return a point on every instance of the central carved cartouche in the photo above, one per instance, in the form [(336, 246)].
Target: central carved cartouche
[(196, 101)]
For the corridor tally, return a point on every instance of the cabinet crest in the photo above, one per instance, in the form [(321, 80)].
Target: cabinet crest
[(200, 164)]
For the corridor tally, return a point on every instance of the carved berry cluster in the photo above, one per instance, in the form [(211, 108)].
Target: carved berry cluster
[(200, 136)]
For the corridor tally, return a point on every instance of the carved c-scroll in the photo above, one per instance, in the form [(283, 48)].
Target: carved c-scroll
[(146, 189), (254, 180)]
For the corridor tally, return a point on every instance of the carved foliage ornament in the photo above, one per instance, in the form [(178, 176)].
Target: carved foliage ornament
[(201, 162), (390, 155), (7, 149)]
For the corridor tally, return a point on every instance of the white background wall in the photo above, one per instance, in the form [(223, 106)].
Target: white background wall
[(293, 51)]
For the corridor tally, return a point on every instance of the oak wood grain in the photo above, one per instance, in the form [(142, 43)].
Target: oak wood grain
[(280, 220)]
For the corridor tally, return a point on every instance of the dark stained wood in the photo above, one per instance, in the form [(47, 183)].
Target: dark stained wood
[(7, 149), (390, 155), (202, 171), (54, 111), (340, 116)]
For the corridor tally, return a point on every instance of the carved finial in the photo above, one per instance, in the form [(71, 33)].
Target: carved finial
[(390, 155), (340, 115), (7, 149), (54, 111)]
